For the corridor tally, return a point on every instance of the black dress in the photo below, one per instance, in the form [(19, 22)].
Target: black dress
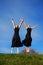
[(27, 41), (16, 42)]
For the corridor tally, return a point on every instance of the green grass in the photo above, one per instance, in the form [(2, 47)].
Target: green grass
[(21, 59)]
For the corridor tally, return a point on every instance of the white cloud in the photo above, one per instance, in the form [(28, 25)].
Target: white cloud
[(4, 50), (3, 27), (36, 35)]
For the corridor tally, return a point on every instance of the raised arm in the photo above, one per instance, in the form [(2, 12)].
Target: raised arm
[(33, 27), (21, 23), (13, 23), (25, 24)]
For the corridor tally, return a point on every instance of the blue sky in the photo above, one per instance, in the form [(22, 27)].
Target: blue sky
[(31, 11)]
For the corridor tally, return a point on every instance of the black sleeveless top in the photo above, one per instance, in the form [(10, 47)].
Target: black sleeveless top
[(28, 35), (16, 31)]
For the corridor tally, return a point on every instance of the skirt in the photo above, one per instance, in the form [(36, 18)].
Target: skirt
[(16, 42), (27, 42)]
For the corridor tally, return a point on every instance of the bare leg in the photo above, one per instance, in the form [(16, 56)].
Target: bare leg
[(17, 50), (28, 49), (12, 50)]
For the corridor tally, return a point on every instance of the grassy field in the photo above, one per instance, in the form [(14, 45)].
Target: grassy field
[(21, 59)]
